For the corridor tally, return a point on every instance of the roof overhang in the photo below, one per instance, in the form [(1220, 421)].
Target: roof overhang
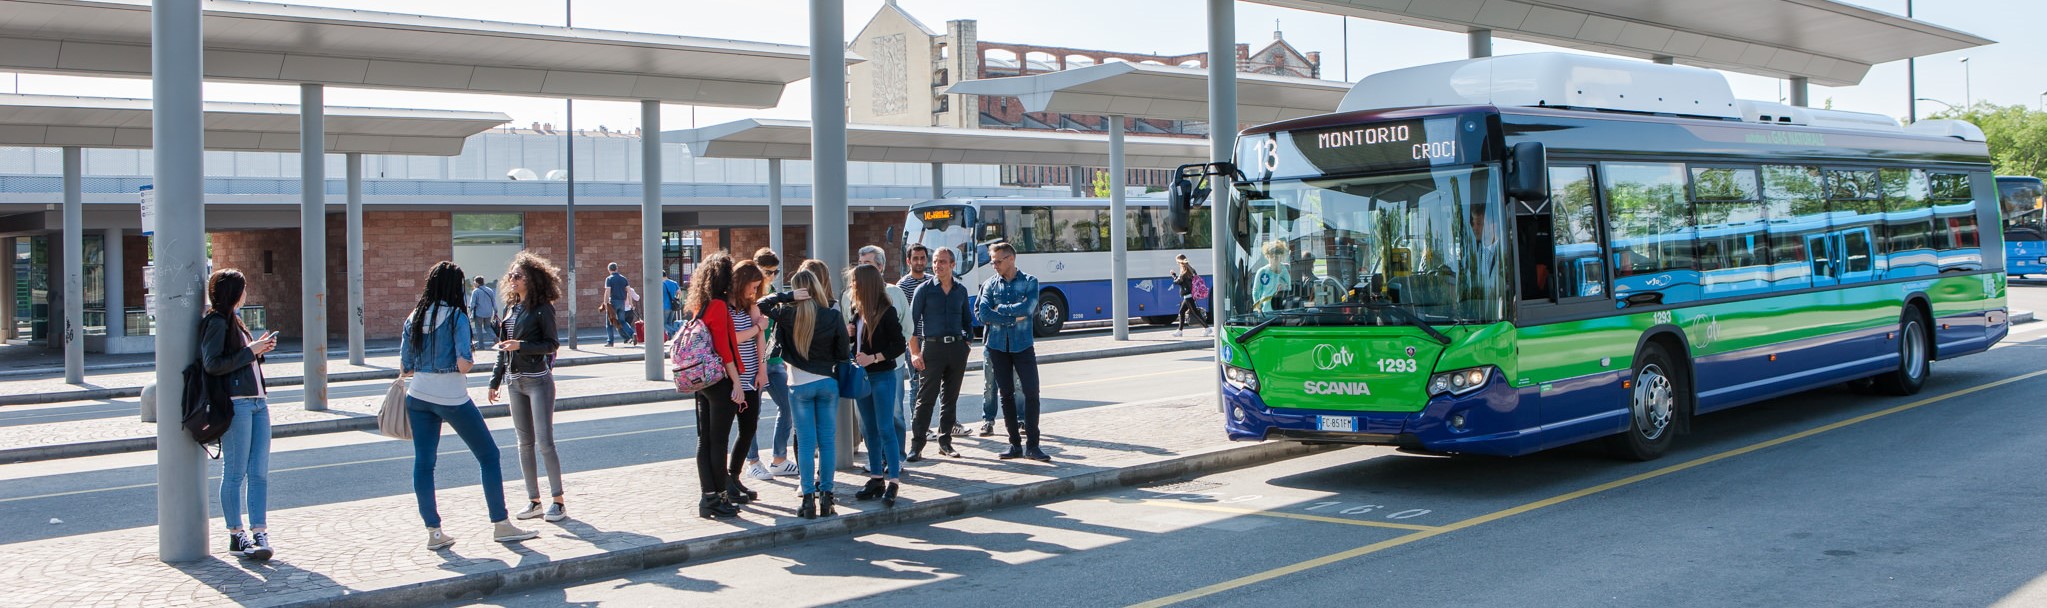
[(1829, 42), (275, 43), (790, 139), (89, 122), (1139, 90)]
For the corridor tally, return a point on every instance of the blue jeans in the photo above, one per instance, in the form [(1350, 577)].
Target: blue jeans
[(878, 413), (989, 397), (1018, 372), (624, 331), (817, 415), (426, 444), (778, 390), (245, 460)]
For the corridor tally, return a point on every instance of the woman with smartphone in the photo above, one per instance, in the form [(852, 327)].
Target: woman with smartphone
[(227, 350)]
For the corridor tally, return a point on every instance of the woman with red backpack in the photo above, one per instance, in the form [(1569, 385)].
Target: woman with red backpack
[(718, 403), (1192, 289)]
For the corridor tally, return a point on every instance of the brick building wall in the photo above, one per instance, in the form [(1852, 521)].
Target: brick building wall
[(269, 259), (602, 237)]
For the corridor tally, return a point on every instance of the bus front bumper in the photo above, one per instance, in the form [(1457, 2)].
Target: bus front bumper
[(1490, 423)]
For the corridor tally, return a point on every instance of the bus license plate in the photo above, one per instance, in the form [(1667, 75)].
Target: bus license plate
[(1347, 424)]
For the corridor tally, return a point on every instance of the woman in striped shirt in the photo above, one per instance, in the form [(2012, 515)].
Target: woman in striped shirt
[(747, 327)]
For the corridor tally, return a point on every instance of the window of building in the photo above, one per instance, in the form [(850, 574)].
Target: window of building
[(486, 242)]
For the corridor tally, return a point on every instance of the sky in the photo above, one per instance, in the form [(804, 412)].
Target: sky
[(2010, 69)]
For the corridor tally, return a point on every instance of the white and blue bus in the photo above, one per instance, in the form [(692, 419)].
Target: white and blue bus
[(2025, 236), (1064, 242)]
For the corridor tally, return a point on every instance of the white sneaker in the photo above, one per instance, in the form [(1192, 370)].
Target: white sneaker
[(755, 470), (1176, 333), (1207, 331), (532, 511), (436, 541), (508, 533), (557, 512), (787, 468)]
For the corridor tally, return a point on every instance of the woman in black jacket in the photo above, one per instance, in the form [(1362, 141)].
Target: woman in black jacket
[(878, 342), (814, 341), (526, 358), (227, 349)]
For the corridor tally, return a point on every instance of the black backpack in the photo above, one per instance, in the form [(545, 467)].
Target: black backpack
[(207, 409)]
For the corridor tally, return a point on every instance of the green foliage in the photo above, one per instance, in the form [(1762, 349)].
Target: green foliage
[(1102, 184), (2018, 136)]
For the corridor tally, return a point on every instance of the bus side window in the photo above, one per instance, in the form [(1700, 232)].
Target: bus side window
[(1854, 199), (1796, 207), (1574, 269)]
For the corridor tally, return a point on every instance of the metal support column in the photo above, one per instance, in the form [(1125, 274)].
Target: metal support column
[(650, 231), (1119, 247), (775, 228), (313, 242), (115, 283), (7, 247), (1222, 142), (1480, 43), (1073, 180), (1799, 92), (575, 297), (180, 241), (829, 221), (355, 247), (73, 258), (937, 181)]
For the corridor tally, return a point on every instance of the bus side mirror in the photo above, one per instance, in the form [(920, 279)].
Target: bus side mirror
[(1528, 172), (1187, 191)]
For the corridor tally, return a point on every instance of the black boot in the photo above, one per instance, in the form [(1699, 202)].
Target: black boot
[(824, 505), (945, 447), (888, 496), (871, 491), (809, 508), (737, 494), (714, 506)]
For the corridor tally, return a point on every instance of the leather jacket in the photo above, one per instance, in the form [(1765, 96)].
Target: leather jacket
[(225, 352), (535, 330)]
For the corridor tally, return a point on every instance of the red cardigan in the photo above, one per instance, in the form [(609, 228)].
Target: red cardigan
[(718, 318)]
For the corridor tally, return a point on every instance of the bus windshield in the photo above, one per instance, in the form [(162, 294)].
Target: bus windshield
[(943, 227), (1341, 251), (2021, 198)]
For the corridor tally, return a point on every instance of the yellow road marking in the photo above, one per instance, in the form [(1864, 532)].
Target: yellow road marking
[(1562, 498), (1174, 504)]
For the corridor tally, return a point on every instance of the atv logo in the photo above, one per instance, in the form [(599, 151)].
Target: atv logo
[(1336, 388), (1329, 357)]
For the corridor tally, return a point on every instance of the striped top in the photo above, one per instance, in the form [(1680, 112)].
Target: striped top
[(910, 285), (505, 333), (749, 357)]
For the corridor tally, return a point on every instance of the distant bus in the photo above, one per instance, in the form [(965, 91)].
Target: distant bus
[(1065, 244), (2025, 235)]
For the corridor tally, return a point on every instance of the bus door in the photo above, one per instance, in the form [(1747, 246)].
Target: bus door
[(1826, 268), (1857, 247)]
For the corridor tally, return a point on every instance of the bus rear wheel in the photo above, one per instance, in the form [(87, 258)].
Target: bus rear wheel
[(1050, 316), (1914, 356), (1655, 399)]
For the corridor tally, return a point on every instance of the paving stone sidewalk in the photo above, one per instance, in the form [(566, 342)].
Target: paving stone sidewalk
[(371, 552)]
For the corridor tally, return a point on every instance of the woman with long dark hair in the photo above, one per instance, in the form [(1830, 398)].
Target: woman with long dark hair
[(434, 354), (877, 343), (718, 404), (526, 362), (750, 329), (813, 339), (1184, 277), (227, 349)]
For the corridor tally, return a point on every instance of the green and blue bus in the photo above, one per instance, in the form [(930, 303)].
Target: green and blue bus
[(1506, 255)]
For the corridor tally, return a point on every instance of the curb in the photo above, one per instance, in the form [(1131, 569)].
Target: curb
[(369, 422), (472, 586), (2021, 316), (378, 374)]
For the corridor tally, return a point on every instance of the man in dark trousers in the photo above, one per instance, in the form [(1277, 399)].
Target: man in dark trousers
[(941, 318), (483, 314), (1007, 300), (614, 288)]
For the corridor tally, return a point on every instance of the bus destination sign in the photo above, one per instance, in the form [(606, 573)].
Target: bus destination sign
[(1402, 144)]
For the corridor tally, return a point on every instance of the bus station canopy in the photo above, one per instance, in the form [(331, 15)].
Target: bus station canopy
[(1829, 42), (790, 140), (94, 122), (283, 44), (1137, 90)]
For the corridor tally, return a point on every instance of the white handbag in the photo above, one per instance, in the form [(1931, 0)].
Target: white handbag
[(392, 420)]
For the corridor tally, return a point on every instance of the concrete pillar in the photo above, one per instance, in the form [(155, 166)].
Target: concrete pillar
[(829, 221), (775, 215), (180, 241), (356, 335), (72, 264), (1799, 92), (7, 247), (1480, 43), (313, 241), (937, 181), (1664, 59), (1119, 247), (570, 279), (650, 233), (116, 284), (1076, 183)]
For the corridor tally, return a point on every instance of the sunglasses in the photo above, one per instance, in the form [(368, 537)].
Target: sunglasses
[(518, 276)]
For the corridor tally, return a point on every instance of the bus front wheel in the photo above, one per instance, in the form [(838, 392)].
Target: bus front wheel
[(1914, 358), (1655, 399), (1051, 314)]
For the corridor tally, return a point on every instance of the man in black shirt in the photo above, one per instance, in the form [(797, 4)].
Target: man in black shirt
[(941, 318)]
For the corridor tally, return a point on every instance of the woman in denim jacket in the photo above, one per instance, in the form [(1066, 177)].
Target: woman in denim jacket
[(435, 354)]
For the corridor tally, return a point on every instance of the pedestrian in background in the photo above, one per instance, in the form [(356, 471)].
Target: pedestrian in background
[(615, 319), (526, 363), (483, 313), (718, 404), (228, 350), (918, 261), (778, 383), (749, 327), (814, 342), (671, 292), (434, 353), (878, 342), (941, 318), (1185, 278), (1007, 300)]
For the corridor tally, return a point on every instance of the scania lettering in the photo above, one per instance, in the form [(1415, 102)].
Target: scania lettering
[(1528, 251)]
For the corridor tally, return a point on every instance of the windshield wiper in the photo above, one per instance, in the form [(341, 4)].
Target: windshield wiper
[(1409, 317)]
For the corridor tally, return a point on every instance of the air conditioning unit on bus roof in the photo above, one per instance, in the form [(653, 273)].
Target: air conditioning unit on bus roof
[(1562, 80)]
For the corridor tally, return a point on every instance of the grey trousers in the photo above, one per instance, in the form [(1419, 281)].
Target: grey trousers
[(533, 419)]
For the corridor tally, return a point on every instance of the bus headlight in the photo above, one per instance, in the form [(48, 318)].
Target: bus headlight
[(1240, 377), (1459, 382)]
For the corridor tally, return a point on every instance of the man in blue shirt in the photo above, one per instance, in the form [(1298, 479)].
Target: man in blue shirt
[(1007, 301), (614, 287), (940, 317), (483, 314), (671, 292)]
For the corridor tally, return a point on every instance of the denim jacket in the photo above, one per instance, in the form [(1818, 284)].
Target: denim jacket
[(1005, 308), (447, 339)]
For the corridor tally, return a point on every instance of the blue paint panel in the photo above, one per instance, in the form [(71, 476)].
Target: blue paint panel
[(1494, 423), (1577, 409), (2023, 257), (1747, 376), (1961, 334)]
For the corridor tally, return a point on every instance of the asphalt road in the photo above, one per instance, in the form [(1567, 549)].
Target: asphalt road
[(117, 491), (1826, 498)]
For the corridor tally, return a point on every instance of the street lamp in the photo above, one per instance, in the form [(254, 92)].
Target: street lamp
[(2043, 101), (1968, 94), (1949, 105)]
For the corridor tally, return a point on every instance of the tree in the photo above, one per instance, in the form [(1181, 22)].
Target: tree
[(2018, 136), (1102, 184)]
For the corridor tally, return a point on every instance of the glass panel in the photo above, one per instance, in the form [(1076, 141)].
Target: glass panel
[(1955, 234), (1793, 202), (1734, 247), (1723, 184), (1651, 231), (1857, 223), (1575, 231), (486, 242), (1908, 223), (950, 227)]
